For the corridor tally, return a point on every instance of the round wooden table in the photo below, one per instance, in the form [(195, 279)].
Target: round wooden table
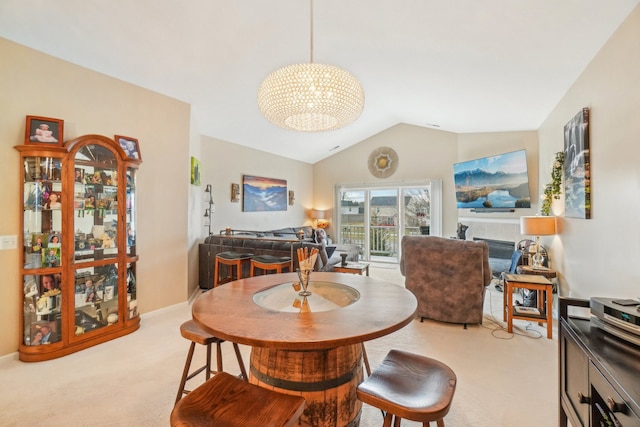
[(310, 347)]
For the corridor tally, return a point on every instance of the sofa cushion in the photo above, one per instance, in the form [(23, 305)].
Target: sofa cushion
[(321, 236), (284, 232), (271, 245)]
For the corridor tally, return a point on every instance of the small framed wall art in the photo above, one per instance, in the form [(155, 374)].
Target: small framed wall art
[(235, 193), (195, 171), (44, 131), (130, 146)]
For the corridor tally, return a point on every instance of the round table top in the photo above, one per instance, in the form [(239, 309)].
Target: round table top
[(230, 312)]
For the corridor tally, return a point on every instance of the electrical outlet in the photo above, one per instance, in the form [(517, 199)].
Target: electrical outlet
[(8, 242)]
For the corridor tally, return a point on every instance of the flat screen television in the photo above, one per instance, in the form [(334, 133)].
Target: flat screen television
[(494, 182)]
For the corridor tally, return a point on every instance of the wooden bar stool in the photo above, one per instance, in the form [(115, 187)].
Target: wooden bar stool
[(410, 386), (230, 259), (225, 400), (268, 263), (192, 332)]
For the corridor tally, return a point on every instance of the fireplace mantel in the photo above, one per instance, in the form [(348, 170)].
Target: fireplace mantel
[(507, 229)]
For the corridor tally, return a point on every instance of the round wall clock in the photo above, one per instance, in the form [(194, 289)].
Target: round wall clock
[(383, 162)]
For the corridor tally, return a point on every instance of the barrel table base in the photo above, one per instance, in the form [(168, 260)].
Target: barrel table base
[(327, 379)]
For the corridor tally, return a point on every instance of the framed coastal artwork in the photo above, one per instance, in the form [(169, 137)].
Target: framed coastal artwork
[(263, 194), (577, 170), (44, 131)]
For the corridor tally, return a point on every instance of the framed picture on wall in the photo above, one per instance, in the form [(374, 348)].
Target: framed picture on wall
[(235, 193), (44, 131), (195, 171), (130, 146), (263, 194), (577, 167)]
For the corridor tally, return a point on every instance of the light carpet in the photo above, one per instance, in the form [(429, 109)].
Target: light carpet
[(503, 379)]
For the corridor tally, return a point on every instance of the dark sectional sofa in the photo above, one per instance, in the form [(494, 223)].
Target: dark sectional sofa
[(282, 242)]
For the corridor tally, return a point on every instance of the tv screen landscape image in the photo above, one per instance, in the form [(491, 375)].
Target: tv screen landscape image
[(500, 181)]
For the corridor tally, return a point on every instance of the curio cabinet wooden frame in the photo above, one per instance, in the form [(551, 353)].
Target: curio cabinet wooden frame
[(78, 269)]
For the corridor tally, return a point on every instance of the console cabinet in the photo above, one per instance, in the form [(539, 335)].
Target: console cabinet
[(599, 374), (78, 270)]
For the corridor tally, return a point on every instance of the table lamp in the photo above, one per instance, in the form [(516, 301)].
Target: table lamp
[(538, 226), (317, 215)]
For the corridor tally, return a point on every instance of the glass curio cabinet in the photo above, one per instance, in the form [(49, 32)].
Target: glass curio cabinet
[(79, 239)]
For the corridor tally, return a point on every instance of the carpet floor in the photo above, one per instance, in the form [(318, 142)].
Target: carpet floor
[(503, 379)]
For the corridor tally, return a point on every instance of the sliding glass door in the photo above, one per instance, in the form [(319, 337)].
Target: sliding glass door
[(376, 218)]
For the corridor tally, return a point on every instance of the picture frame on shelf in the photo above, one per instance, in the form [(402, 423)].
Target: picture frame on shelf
[(54, 240), (51, 256), (79, 175), (130, 145), (44, 131)]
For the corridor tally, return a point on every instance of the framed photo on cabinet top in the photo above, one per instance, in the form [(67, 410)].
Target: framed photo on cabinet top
[(130, 146), (44, 131)]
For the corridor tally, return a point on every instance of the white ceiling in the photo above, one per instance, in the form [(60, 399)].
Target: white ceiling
[(462, 65)]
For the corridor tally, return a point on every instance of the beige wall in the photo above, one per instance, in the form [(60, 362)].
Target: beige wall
[(225, 163), (36, 84), (170, 209), (592, 256), (595, 257), (424, 154)]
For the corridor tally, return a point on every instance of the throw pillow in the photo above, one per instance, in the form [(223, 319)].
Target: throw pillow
[(321, 236)]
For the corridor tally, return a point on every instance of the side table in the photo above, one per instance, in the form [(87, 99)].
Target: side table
[(544, 289), (353, 268), (546, 272)]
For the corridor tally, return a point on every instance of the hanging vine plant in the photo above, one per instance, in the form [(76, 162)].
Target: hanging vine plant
[(554, 188)]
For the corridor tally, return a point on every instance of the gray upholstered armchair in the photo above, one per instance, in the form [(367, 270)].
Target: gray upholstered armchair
[(447, 276)]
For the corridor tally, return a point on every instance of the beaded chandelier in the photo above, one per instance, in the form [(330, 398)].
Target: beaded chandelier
[(311, 97)]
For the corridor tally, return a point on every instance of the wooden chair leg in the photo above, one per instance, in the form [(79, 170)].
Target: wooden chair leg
[(243, 371), (208, 364), (216, 273), (387, 420), (365, 359), (218, 357), (185, 372)]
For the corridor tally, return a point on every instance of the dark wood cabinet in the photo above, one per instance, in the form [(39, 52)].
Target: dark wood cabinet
[(599, 374)]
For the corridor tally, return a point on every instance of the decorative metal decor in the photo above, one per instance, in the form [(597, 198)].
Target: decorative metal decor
[(383, 162)]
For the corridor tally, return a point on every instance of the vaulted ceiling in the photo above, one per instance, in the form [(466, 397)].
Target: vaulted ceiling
[(456, 65)]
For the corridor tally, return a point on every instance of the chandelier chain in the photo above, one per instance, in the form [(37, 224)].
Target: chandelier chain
[(311, 31), (310, 97)]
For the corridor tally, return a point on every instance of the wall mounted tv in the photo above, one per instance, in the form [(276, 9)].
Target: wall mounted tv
[(499, 183)]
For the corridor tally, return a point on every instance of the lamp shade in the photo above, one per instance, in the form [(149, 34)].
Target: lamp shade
[(317, 214), (538, 225)]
